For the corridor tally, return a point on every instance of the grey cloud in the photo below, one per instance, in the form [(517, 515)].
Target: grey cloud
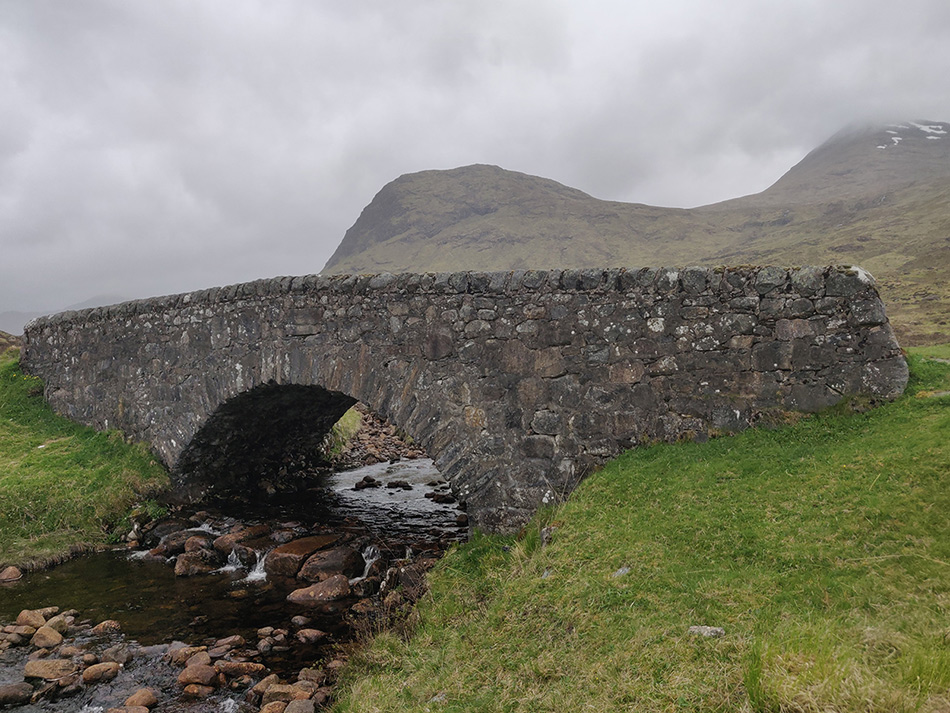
[(158, 147)]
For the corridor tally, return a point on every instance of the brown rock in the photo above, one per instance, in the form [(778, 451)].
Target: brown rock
[(310, 636), (109, 626), (327, 563), (196, 690), (274, 707), (203, 541), (202, 658), (49, 669), (314, 675), (281, 692), (200, 674), (239, 668), (189, 564), (286, 560), (30, 617), (336, 587), (10, 574), (300, 706), (265, 683), (89, 659), (230, 642), (100, 672), (128, 709), (69, 651), (59, 622), (120, 653), (46, 638), (180, 655), (15, 694), (145, 697), (225, 543)]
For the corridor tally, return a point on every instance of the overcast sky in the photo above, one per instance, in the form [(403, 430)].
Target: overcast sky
[(150, 147)]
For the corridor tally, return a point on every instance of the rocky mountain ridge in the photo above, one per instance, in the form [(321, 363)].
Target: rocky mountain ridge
[(874, 195)]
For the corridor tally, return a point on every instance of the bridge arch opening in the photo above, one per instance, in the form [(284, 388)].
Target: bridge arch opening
[(268, 438)]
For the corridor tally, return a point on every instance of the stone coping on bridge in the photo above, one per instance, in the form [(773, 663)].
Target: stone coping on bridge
[(809, 281)]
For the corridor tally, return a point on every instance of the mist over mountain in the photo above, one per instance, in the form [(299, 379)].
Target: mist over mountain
[(873, 195)]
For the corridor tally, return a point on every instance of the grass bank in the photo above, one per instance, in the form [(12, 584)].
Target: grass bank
[(60, 484), (822, 549)]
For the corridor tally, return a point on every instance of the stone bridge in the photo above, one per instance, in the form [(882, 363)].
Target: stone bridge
[(517, 384)]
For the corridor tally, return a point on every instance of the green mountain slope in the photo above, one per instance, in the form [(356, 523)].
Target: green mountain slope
[(876, 196)]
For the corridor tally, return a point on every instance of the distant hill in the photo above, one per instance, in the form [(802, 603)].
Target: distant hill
[(876, 195), (7, 341), (13, 321)]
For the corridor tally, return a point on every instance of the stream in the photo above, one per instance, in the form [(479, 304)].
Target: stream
[(399, 517)]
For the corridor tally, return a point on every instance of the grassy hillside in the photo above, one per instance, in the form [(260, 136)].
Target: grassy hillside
[(821, 549), (848, 202), (60, 484)]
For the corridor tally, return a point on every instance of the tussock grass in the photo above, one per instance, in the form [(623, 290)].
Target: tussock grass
[(822, 548), (61, 485)]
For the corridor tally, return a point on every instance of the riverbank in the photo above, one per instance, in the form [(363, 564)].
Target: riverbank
[(63, 487), (816, 554)]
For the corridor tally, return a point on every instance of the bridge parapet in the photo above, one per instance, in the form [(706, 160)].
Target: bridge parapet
[(517, 383)]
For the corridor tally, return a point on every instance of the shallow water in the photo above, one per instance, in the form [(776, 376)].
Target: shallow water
[(155, 607)]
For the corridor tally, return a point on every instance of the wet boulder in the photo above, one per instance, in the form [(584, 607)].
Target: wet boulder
[(101, 672), (15, 694), (225, 543), (286, 560), (189, 564), (331, 589), (49, 669), (328, 563)]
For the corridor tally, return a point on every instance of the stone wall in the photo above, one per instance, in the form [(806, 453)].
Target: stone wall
[(518, 383)]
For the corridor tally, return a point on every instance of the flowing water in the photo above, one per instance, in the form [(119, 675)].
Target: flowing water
[(156, 608)]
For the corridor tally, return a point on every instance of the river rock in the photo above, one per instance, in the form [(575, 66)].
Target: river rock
[(109, 626), (240, 668), (15, 694), (46, 638), (145, 697), (31, 617), (336, 587), (189, 564), (200, 674), (204, 541), (274, 707), (264, 684), (286, 560), (101, 672), (327, 563), (120, 653), (128, 709), (196, 690), (300, 706), (180, 655), (174, 543), (202, 658), (225, 543), (314, 675), (49, 669), (282, 692), (10, 574), (310, 636), (230, 642), (60, 623)]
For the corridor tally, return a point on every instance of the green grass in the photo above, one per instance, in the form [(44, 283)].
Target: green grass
[(342, 432), (60, 484), (822, 549)]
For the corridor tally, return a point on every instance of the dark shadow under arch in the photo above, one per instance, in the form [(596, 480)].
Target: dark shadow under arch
[(273, 432)]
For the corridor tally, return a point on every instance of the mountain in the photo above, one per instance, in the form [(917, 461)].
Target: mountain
[(873, 195)]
